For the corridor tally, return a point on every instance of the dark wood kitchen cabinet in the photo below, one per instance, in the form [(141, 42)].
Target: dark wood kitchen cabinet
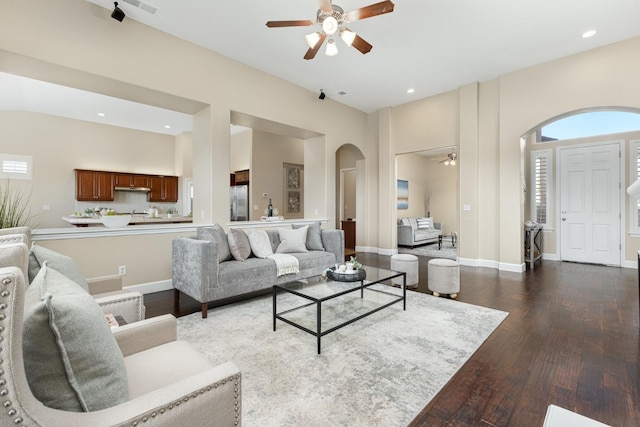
[(163, 189), (131, 180), (94, 185)]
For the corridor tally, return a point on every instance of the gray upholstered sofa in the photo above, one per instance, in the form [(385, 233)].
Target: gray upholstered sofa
[(203, 271), (414, 231)]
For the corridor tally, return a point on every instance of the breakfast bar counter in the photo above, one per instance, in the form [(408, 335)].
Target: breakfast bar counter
[(86, 221)]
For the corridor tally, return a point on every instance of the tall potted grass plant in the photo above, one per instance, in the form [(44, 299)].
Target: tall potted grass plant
[(14, 207)]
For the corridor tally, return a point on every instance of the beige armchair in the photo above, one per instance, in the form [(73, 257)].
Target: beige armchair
[(107, 291), (169, 382)]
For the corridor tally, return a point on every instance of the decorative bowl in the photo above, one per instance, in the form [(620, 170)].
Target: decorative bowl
[(340, 276), (115, 221)]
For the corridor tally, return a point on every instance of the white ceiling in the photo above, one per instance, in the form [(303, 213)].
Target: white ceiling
[(25, 94), (432, 46)]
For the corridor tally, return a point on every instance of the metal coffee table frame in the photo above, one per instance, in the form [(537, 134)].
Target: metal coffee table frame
[(364, 284)]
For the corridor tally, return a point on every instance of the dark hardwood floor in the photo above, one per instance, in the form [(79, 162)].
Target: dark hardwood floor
[(571, 339)]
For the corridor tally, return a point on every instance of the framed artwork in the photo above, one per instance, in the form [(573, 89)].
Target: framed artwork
[(403, 194), (293, 190)]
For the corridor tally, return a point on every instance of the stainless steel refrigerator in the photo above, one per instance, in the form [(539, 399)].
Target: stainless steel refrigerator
[(240, 203)]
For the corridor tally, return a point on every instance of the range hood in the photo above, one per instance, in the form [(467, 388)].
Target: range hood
[(137, 189)]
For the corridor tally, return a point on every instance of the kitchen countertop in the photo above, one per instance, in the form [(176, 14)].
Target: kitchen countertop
[(135, 219)]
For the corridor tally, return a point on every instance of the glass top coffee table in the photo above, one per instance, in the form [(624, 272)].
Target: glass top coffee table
[(319, 306)]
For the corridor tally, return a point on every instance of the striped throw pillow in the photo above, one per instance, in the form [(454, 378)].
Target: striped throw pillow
[(424, 223)]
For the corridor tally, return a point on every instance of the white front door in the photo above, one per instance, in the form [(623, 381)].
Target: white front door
[(590, 212)]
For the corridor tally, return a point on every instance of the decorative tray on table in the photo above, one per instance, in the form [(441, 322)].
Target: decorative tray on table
[(346, 276)]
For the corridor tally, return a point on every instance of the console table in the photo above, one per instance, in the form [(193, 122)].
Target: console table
[(532, 244)]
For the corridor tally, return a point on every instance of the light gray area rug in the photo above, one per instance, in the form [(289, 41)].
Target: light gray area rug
[(447, 251), (379, 371)]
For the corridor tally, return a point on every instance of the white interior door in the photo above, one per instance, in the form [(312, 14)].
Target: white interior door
[(590, 215)]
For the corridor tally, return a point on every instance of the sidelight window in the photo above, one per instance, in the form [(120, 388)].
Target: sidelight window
[(541, 187)]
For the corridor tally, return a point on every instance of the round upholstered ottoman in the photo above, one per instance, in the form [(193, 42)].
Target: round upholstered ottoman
[(407, 264), (444, 277)]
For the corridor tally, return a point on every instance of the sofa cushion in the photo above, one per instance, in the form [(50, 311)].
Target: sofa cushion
[(59, 262), (216, 233), (239, 244), (314, 236), (260, 243), (292, 240), (71, 358)]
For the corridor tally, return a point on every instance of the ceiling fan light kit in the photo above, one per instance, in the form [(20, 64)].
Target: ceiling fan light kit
[(332, 19), (451, 159), (332, 49)]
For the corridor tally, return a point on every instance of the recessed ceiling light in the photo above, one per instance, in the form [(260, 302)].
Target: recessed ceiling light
[(101, 114), (411, 90), (167, 127), (588, 34)]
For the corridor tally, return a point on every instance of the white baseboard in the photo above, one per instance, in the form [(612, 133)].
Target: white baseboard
[(148, 288), (551, 257)]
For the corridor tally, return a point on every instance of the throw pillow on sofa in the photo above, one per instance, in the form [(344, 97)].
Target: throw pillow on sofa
[(314, 236), (71, 359), (239, 244), (216, 233), (260, 243), (292, 240), (423, 223), (61, 263)]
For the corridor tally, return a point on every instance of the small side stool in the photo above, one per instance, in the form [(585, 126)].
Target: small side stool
[(407, 264), (444, 277)]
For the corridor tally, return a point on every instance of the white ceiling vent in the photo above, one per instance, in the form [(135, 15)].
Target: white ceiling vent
[(144, 6)]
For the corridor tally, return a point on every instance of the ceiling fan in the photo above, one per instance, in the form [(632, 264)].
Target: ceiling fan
[(332, 20), (450, 159)]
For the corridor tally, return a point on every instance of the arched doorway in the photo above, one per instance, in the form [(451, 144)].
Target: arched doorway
[(350, 195), (576, 171)]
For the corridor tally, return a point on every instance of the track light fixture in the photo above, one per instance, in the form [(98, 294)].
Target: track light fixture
[(322, 94), (117, 13)]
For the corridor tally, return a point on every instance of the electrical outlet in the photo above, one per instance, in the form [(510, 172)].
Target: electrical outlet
[(122, 270)]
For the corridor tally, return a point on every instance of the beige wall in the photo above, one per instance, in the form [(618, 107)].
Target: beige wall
[(485, 120), (147, 257), (60, 145), (240, 151), (269, 152), (427, 175), (91, 47)]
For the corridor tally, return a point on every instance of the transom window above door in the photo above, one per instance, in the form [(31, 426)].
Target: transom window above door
[(590, 123)]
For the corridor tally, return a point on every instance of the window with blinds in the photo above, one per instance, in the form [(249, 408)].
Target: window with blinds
[(541, 187), (15, 166)]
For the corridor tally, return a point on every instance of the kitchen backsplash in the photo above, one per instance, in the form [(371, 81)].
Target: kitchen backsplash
[(126, 201)]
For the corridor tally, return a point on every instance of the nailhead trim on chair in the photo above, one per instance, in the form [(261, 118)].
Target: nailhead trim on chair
[(4, 392), (236, 383), (136, 298)]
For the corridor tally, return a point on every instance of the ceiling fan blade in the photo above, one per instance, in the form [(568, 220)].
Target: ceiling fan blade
[(369, 11), (361, 44), (325, 5), (311, 53), (299, 23)]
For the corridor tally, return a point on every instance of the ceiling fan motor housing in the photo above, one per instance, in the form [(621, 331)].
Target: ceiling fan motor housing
[(337, 13)]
